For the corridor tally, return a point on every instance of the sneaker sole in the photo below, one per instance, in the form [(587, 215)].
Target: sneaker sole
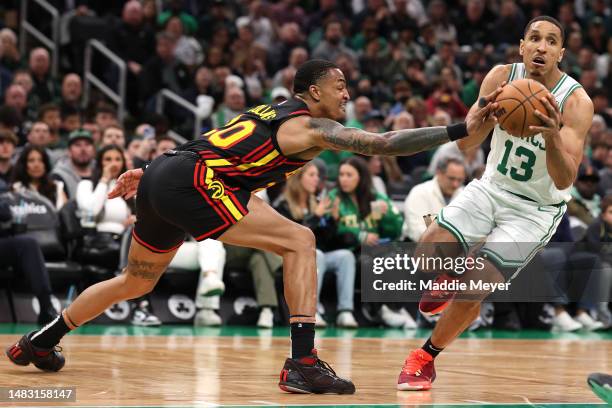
[(435, 311), (292, 389), (604, 393), (408, 387)]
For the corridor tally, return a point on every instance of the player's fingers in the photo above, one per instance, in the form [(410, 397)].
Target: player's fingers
[(552, 112), (546, 119), (539, 129), (553, 102)]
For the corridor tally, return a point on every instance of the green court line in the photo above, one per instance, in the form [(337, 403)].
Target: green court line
[(361, 333)]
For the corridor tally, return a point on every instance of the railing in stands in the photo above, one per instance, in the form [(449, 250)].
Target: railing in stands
[(179, 100), (90, 79), (51, 43)]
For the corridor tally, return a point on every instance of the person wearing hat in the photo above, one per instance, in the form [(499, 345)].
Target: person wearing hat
[(279, 94), (79, 165), (8, 142), (585, 203)]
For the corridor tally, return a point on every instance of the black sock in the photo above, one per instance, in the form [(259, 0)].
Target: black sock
[(431, 349), (51, 334), (302, 339), (44, 302)]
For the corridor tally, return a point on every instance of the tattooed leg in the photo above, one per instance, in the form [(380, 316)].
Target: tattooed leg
[(138, 278)]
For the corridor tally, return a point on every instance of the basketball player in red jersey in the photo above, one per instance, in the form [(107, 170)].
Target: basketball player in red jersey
[(204, 188)]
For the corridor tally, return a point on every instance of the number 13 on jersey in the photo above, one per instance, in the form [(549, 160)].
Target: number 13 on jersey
[(527, 157)]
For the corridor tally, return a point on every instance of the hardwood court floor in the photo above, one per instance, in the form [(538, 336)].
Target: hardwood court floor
[(182, 366)]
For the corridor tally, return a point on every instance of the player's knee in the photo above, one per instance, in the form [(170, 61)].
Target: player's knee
[(306, 241)]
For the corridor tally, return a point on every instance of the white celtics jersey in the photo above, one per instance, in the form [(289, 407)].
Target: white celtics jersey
[(518, 165)]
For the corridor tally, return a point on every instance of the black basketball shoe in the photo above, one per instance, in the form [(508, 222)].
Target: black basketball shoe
[(310, 375), (24, 352)]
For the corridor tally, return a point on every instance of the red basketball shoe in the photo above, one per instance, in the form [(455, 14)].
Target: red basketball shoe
[(436, 300), (418, 372)]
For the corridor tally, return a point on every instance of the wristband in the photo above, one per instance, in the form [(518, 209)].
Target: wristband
[(457, 131)]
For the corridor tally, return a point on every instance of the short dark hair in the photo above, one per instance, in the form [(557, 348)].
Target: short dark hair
[(309, 73), (551, 20), (48, 107), (445, 162)]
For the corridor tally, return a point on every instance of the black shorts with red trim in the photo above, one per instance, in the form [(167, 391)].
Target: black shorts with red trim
[(177, 195)]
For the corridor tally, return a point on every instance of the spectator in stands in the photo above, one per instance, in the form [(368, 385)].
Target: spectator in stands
[(431, 196), (333, 44), (476, 24), (473, 159), (24, 78), (444, 57), (111, 217), (95, 130), (71, 121), (263, 30), (601, 105), (163, 70), (113, 135), (365, 217), (605, 185), (45, 88), (32, 174), (188, 50), (72, 90), (289, 37), (134, 43), (16, 97), (164, 143), (39, 135), (288, 11), (175, 8), (570, 62), (79, 165), (23, 254), (106, 115), (50, 114), (298, 203), (8, 142), (362, 107), (234, 103), (585, 204), (440, 21), (9, 52)]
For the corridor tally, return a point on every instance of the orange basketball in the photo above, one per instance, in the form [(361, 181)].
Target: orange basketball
[(517, 103)]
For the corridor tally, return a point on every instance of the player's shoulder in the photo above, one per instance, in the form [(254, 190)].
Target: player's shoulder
[(500, 72), (578, 104)]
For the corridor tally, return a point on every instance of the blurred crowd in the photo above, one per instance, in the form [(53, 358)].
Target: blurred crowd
[(408, 64)]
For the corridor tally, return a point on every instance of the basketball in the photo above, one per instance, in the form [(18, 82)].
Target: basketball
[(517, 103)]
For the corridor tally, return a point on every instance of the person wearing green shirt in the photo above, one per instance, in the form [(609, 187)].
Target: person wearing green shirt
[(365, 217)]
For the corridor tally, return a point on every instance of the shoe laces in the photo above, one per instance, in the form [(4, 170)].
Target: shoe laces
[(324, 365), (415, 362)]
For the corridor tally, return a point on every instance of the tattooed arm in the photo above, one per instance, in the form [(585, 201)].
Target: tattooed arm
[(332, 135), (329, 134)]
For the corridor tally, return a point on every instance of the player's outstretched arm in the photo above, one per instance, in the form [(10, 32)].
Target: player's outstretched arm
[(329, 134), (490, 87)]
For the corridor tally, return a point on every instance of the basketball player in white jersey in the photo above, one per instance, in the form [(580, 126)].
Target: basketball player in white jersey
[(521, 197)]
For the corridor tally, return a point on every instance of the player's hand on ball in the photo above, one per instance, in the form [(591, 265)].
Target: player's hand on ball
[(551, 121), (127, 184), (484, 117)]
